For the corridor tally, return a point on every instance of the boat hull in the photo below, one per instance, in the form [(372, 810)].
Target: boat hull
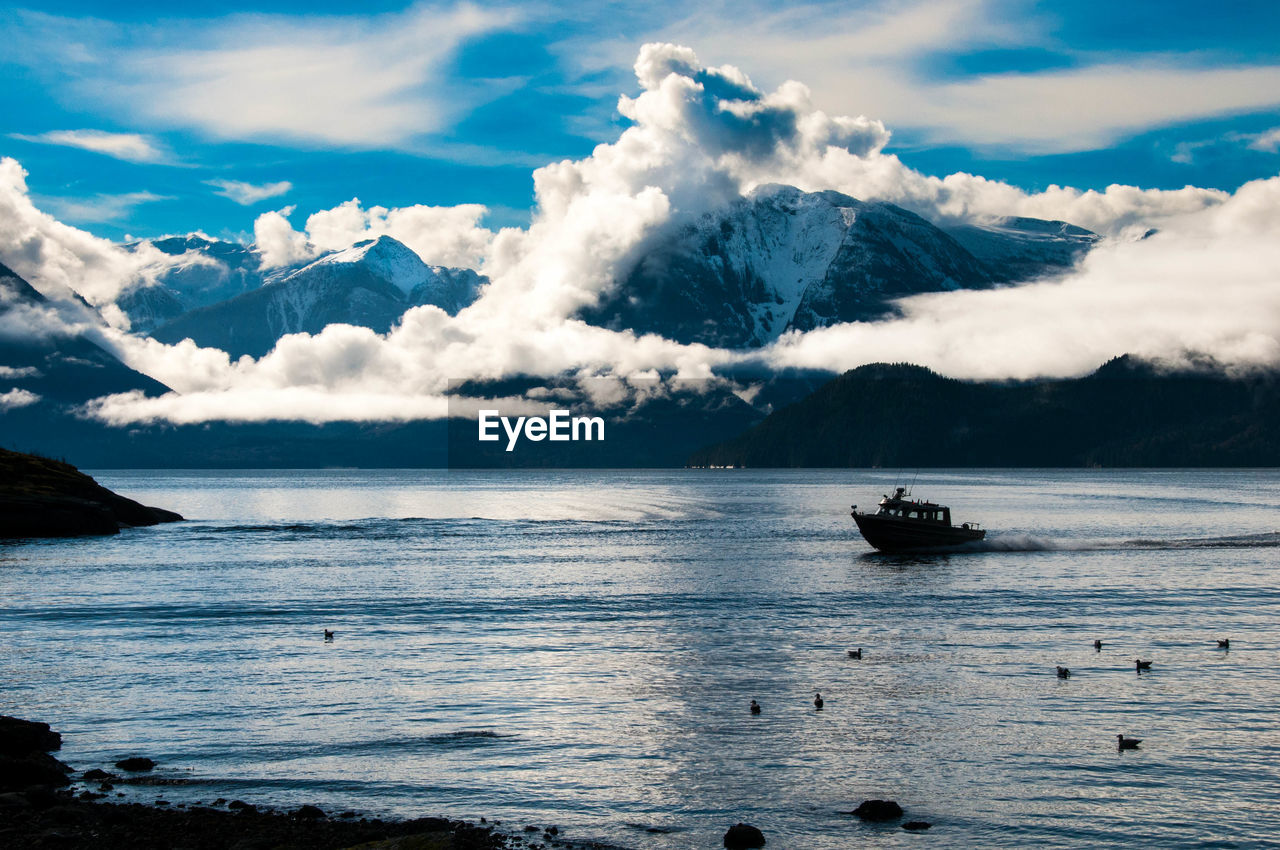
[(894, 534)]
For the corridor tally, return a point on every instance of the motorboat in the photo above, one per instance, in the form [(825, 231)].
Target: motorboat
[(903, 524)]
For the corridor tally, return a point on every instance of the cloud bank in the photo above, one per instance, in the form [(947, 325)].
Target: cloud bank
[(699, 137), (1209, 283)]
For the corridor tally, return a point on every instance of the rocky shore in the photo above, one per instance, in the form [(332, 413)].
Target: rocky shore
[(41, 807), (45, 803), (41, 497)]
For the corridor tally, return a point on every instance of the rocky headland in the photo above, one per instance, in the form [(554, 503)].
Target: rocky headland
[(41, 497)]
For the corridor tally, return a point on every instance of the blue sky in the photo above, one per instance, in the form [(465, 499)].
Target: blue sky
[(134, 121)]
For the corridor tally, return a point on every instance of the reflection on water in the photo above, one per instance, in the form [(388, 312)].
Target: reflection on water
[(580, 649)]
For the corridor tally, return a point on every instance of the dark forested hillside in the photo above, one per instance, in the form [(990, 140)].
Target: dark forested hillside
[(1125, 414)]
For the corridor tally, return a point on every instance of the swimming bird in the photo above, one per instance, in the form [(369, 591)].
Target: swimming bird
[(755, 707), (856, 653), (1124, 743), (817, 702), (1141, 665), (1097, 644), (1224, 644), (1064, 673), (328, 635)]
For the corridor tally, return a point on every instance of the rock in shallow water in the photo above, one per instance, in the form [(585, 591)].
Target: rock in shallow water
[(743, 836), (136, 764), (878, 810)]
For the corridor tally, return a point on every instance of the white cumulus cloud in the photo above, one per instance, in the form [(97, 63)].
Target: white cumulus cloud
[(441, 236), (13, 399), (60, 260)]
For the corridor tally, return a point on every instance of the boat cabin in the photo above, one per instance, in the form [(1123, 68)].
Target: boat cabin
[(898, 505)]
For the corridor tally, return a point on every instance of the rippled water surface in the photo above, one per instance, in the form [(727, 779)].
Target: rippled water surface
[(579, 648)]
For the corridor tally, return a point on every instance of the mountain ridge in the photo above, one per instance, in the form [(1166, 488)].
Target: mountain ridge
[(1127, 413), (782, 259)]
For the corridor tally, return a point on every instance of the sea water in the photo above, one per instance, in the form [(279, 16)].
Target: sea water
[(580, 649)]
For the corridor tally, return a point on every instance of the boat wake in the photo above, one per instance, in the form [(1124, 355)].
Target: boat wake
[(1036, 543)]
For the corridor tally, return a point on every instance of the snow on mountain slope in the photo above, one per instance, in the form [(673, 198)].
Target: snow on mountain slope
[(886, 253), (370, 284), (209, 271), (1023, 249), (391, 260), (782, 258), (384, 257)]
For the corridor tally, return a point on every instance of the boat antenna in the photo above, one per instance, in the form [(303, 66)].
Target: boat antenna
[(913, 480)]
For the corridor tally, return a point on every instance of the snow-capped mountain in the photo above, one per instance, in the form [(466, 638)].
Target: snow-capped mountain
[(391, 260), (1019, 249), (371, 284), (210, 271), (782, 259)]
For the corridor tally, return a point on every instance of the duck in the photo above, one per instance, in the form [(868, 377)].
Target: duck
[(817, 702), (1097, 645), (1064, 673), (755, 707), (1123, 743), (1141, 665), (856, 653), (328, 635), (1225, 643)]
